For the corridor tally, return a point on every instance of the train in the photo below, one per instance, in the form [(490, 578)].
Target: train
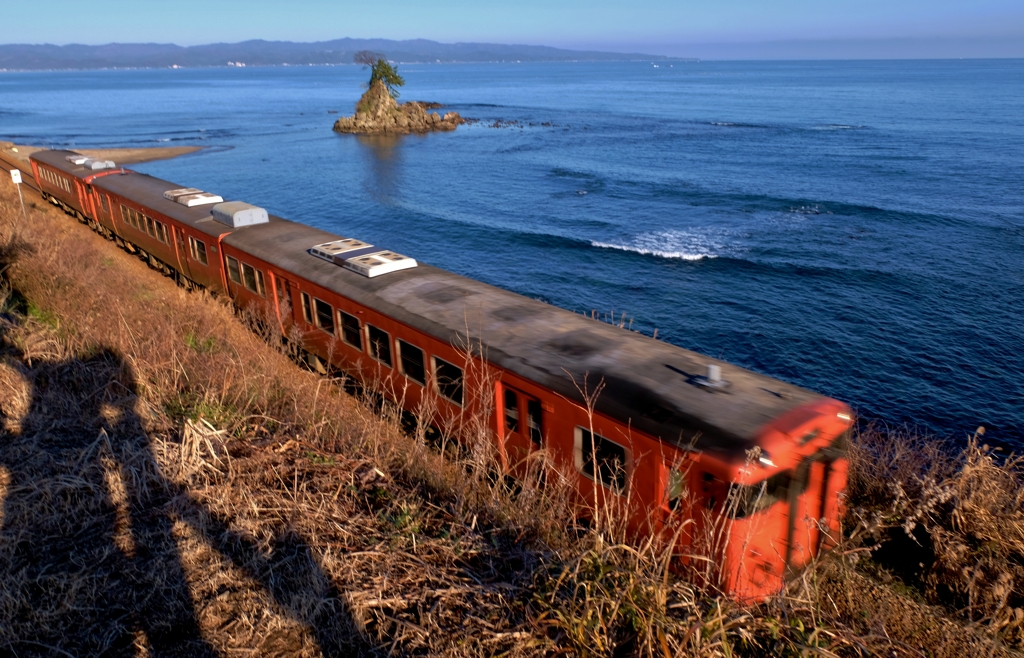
[(685, 445)]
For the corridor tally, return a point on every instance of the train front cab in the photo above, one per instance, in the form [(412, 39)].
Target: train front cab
[(784, 505)]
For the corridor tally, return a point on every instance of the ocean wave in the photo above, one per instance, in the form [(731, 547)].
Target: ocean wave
[(652, 252), (682, 245), (837, 126), (738, 124)]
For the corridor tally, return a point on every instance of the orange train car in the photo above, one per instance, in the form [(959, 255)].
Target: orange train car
[(681, 440)]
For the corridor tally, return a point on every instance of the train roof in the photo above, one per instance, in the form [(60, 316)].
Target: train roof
[(59, 160), (657, 387), (141, 188), (149, 191)]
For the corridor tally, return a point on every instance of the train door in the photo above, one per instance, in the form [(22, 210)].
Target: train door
[(521, 426), (814, 497), (752, 533), (181, 252), (285, 308)]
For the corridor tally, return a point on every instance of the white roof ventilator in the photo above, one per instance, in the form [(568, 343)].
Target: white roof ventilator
[(90, 163), (190, 196), (362, 257)]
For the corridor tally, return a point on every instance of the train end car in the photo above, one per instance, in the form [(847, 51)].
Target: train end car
[(64, 178)]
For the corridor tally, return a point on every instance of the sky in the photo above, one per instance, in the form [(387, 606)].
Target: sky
[(668, 27)]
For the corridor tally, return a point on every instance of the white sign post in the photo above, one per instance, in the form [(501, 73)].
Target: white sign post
[(16, 177)]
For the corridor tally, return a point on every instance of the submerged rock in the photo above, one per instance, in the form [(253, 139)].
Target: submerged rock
[(378, 112)]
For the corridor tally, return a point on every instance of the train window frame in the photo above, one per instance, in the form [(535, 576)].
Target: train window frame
[(327, 326), (161, 231), (618, 482), (535, 430), (150, 226), (373, 346), (350, 331), (234, 270), (198, 250), (104, 203), (677, 486), (444, 384), (255, 276), (511, 413), (307, 307), (124, 214), (745, 501), (405, 349)]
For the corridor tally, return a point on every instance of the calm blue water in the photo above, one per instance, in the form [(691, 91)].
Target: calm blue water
[(853, 227)]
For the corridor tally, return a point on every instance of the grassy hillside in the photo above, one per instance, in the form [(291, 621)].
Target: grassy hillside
[(172, 483)]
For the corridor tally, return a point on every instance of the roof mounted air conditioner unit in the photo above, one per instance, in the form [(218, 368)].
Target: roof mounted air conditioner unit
[(382, 262), (338, 250), (172, 195), (361, 257), (237, 214)]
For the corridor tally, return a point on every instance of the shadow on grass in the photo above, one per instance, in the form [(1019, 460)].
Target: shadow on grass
[(90, 531)]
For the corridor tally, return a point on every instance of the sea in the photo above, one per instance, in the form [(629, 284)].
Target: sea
[(853, 227)]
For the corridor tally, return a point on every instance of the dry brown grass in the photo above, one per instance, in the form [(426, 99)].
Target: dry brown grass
[(170, 483)]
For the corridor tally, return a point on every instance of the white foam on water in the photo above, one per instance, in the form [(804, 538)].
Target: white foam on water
[(683, 245), (837, 126)]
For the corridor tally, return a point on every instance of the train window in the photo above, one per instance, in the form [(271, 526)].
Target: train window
[(150, 227), (448, 377), (675, 488), (161, 231), (380, 344), (350, 332), (124, 214), (324, 315), (601, 459), (198, 249), (307, 310), (252, 279), (105, 203), (511, 411), (233, 272), (135, 219), (746, 500), (411, 359), (533, 422)]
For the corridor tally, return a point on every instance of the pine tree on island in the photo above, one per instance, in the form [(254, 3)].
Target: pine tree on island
[(380, 69), (378, 112)]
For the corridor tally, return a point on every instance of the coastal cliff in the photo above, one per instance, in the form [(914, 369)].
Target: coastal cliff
[(377, 112)]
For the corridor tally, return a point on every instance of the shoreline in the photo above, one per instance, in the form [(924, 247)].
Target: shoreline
[(18, 154)]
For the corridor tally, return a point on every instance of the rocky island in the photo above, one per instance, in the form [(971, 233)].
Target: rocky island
[(378, 112)]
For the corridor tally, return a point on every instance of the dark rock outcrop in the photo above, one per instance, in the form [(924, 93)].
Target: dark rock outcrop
[(378, 113)]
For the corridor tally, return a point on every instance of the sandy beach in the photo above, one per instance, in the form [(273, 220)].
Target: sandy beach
[(17, 154)]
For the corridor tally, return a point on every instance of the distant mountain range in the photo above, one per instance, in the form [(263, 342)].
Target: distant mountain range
[(280, 53)]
